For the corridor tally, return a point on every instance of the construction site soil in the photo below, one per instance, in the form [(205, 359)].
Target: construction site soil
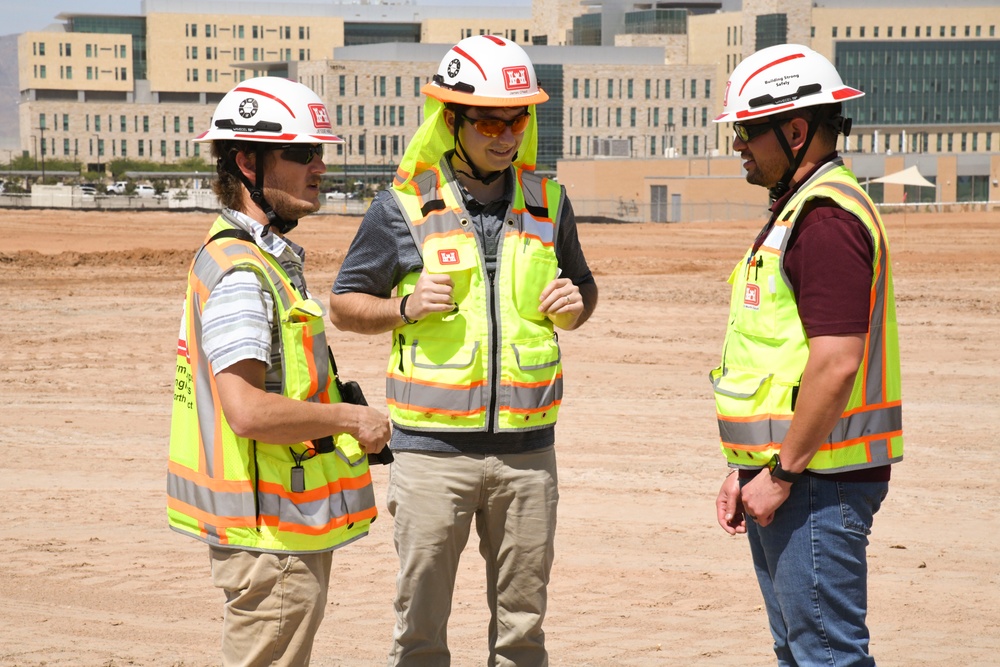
[(643, 576)]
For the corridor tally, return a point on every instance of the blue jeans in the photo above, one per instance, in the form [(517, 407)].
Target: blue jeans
[(813, 573)]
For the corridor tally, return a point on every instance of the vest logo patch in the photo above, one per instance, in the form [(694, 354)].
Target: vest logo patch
[(448, 257), (751, 297)]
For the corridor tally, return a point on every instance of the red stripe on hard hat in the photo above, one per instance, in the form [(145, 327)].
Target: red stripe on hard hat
[(769, 65), (845, 93), (495, 40), (469, 58), (255, 91)]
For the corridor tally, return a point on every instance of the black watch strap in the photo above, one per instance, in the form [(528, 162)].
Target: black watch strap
[(778, 472)]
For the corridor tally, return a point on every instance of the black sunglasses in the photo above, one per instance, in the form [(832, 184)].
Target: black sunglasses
[(301, 153), (748, 133)]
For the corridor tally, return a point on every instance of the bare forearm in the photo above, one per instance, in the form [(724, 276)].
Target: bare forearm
[(826, 387), (363, 313), (257, 414), (280, 420)]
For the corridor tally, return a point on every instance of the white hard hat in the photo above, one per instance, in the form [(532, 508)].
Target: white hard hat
[(781, 78), (486, 71), (273, 110)]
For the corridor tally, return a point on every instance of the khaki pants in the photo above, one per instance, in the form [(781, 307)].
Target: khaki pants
[(433, 498), (274, 605)]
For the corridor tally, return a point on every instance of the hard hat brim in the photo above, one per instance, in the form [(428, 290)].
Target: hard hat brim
[(473, 100)]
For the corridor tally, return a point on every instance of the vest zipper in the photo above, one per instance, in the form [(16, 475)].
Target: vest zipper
[(494, 349), (256, 488)]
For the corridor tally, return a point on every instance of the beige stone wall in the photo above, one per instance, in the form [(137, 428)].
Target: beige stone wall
[(891, 24), (452, 31), (371, 110), (590, 113), (797, 13), (675, 47), (175, 55), (554, 19), (75, 61), (91, 125), (702, 188)]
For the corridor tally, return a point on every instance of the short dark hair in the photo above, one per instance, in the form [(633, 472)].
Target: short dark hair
[(227, 187), (829, 120)]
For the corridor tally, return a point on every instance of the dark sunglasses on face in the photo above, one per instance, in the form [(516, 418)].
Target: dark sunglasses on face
[(748, 133), (301, 153), (494, 127)]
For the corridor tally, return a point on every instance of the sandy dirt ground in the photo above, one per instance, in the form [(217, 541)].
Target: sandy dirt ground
[(91, 575)]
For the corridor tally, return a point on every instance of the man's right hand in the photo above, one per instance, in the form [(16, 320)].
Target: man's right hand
[(372, 431), (431, 294)]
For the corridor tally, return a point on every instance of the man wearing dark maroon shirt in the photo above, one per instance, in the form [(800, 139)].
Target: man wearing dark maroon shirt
[(808, 390)]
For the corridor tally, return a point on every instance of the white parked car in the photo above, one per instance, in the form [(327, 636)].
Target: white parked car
[(144, 191)]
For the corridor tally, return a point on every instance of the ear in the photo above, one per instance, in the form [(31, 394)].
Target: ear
[(798, 130), (247, 163), (449, 119)]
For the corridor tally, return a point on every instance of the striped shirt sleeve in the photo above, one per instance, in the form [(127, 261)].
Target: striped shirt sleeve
[(237, 321)]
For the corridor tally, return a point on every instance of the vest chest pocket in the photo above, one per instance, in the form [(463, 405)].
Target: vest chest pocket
[(302, 329), (755, 296), (533, 271)]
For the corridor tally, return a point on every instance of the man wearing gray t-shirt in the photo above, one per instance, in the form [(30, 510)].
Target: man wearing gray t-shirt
[(471, 260)]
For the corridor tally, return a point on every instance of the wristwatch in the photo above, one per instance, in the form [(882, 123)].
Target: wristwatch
[(774, 465)]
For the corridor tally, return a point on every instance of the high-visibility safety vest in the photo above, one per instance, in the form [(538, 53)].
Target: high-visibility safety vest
[(494, 359), (766, 349), (231, 491)]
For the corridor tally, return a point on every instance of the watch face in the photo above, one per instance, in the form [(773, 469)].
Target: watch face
[(773, 463)]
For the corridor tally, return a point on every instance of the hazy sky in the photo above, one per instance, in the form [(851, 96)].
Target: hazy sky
[(26, 15)]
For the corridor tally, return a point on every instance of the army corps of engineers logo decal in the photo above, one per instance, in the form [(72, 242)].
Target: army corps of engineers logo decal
[(453, 67), (248, 107)]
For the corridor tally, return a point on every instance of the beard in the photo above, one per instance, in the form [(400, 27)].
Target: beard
[(288, 207)]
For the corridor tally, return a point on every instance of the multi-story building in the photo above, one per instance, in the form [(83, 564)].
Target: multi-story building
[(627, 79)]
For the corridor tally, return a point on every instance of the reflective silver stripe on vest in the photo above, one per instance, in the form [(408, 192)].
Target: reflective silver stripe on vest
[(422, 397), (770, 431), (203, 397), (216, 503), (531, 398), (318, 513), (874, 391), (544, 231), (241, 505)]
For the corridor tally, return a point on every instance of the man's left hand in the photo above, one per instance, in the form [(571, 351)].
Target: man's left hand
[(562, 302)]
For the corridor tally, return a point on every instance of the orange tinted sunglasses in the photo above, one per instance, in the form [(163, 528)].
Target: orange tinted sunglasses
[(494, 127)]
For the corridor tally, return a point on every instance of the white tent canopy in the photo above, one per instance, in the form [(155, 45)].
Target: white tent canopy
[(909, 176)]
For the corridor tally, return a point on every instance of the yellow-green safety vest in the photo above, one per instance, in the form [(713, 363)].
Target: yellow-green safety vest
[(442, 369), (766, 349), (231, 491)]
